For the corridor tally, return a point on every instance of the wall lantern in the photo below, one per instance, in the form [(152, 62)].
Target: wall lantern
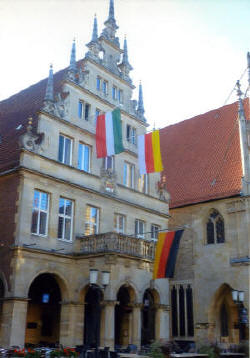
[(93, 277)]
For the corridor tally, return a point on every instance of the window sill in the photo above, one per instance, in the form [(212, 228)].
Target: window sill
[(64, 240), (39, 235)]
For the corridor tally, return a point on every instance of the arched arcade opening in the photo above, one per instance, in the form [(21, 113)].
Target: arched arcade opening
[(43, 312)]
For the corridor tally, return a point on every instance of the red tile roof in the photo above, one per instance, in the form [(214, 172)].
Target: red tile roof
[(201, 157), (14, 111)]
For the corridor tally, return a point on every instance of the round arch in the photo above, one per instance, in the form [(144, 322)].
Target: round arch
[(150, 299), (44, 309)]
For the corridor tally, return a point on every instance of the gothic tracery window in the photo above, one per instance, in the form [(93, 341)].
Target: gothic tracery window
[(215, 228)]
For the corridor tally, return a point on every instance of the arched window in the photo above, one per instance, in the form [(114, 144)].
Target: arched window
[(215, 228)]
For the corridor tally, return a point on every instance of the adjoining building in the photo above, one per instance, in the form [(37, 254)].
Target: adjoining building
[(207, 173), (75, 263)]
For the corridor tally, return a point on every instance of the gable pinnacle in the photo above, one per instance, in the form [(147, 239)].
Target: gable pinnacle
[(239, 94), (72, 66), (125, 52), (248, 67), (111, 10), (49, 94), (140, 108), (95, 30)]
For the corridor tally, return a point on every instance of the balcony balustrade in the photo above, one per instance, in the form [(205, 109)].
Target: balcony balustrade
[(117, 243)]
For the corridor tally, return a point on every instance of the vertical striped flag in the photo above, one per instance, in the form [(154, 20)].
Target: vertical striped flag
[(149, 153), (109, 134), (166, 253)]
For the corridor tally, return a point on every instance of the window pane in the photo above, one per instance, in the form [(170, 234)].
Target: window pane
[(68, 209), (220, 231), (34, 221), (80, 105), (43, 221), (61, 206), (125, 174), (67, 230), (128, 132), (60, 227), (61, 148), (44, 201), (86, 111), (36, 199), (80, 148), (210, 232), (86, 158), (98, 83), (67, 151)]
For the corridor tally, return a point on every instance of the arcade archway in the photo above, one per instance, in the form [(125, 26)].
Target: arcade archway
[(148, 318), (43, 313), (92, 316), (123, 316)]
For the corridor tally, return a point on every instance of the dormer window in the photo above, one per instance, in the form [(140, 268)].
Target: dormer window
[(215, 228)]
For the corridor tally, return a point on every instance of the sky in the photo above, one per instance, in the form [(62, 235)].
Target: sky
[(188, 54)]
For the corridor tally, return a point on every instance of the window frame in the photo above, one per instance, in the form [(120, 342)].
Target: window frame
[(105, 87), (117, 217), (97, 224), (39, 213), (120, 96), (137, 226), (129, 178), (106, 167), (153, 231), (98, 83), (114, 93), (63, 150), (80, 166), (64, 216), (143, 185), (212, 220)]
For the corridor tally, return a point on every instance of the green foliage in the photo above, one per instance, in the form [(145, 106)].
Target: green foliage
[(213, 351), (155, 350)]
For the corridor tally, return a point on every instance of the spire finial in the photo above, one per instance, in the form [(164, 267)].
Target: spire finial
[(125, 52), (248, 67), (111, 10), (72, 66), (239, 94), (49, 94), (95, 30), (140, 108)]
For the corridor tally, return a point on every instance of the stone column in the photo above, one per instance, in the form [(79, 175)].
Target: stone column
[(136, 324), (109, 323), (14, 318), (162, 322), (71, 323)]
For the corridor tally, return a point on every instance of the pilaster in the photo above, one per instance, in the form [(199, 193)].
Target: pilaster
[(136, 324), (109, 323), (14, 317), (71, 323), (162, 322)]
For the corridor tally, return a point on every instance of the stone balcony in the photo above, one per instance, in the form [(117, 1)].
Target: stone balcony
[(113, 242)]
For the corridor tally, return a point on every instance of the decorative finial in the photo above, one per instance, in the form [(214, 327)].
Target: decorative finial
[(239, 94), (72, 66), (95, 30), (111, 10), (140, 108), (248, 67), (49, 94)]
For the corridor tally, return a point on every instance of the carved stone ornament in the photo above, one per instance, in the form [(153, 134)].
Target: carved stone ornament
[(162, 189), (108, 180), (30, 140)]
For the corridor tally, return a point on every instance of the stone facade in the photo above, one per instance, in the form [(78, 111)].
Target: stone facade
[(47, 254)]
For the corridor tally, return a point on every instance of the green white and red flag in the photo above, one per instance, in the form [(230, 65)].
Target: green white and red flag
[(109, 134)]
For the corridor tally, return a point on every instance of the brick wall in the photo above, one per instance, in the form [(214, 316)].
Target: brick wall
[(8, 208)]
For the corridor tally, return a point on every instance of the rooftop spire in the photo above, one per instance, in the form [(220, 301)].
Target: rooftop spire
[(95, 30), (140, 108), (248, 67), (239, 94), (49, 94), (111, 10), (72, 66), (125, 52)]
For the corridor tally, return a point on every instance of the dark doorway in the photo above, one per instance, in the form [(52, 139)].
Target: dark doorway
[(43, 315), (123, 311), (148, 319), (92, 316), (1, 302)]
